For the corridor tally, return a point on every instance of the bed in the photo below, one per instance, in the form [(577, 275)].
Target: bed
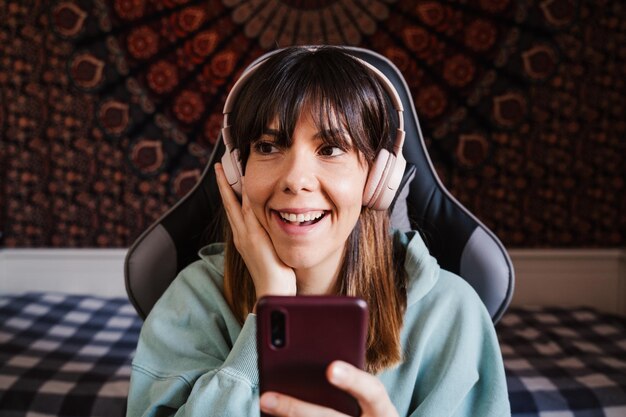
[(70, 355), (564, 362), (65, 355)]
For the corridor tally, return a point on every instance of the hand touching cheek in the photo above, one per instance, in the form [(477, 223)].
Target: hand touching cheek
[(270, 275)]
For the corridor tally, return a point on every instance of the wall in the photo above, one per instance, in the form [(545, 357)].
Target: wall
[(575, 277), (109, 109)]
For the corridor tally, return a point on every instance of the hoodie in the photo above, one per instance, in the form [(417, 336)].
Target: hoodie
[(195, 359)]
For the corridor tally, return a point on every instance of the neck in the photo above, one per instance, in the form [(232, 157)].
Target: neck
[(320, 279)]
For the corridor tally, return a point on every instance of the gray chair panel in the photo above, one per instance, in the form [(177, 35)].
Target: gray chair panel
[(152, 256), (484, 265)]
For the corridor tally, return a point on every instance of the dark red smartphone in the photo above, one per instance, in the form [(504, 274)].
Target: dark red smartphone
[(299, 336)]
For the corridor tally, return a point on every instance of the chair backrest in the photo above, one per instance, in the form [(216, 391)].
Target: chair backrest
[(456, 238)]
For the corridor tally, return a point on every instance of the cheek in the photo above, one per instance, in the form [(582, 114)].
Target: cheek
[(348, 190)]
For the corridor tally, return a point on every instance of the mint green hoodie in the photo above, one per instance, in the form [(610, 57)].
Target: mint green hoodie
[(195, 359)]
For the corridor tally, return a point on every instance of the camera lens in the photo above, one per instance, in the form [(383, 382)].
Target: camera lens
[(277, 326)]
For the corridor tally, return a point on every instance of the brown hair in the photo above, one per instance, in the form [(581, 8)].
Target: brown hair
[(339, 91)]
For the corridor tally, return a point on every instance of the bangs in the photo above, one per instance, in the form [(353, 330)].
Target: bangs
[(345, 103), (330, 121)]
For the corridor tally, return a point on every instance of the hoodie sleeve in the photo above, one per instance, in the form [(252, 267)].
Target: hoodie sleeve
[(193, 357)]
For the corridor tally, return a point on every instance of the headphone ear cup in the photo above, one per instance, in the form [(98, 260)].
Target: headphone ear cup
[(374, 178), (232, 169), (383, 180)]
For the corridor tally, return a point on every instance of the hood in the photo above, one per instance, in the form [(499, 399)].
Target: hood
[(422, 269)]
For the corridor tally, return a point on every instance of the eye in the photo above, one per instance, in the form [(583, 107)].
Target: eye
[(331, 151), (264, 147)]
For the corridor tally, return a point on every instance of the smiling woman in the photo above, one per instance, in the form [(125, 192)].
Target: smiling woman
[(309, 147), (311, 164)]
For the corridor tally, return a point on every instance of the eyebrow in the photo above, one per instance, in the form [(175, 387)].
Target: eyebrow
[(319, 135), (271, 132)]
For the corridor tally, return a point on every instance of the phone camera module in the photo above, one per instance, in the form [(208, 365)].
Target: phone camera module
[(277, 326)]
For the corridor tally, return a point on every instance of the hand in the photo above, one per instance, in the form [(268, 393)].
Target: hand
[(367, 389), (269, 273)]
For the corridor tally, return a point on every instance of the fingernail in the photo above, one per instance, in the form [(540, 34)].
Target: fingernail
[(338, 373), (269, 401)]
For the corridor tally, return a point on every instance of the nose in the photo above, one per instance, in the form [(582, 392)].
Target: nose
[(298, 172)]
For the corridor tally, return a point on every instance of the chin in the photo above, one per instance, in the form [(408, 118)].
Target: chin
[(297, 260)]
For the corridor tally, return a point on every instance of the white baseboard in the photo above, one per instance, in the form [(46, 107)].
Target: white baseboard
[(571, 277), (553, 277), (74, 271)]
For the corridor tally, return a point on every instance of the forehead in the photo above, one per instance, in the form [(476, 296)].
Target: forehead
[(306, 128), (321, 113), (322, 116), (312, 124)]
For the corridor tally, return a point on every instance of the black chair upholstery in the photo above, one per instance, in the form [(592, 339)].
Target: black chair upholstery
[(456, 238)]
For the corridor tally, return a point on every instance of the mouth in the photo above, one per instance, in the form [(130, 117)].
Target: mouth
[(301, 219)]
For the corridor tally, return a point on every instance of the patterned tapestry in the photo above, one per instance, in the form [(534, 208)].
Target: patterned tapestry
[(110, 109)]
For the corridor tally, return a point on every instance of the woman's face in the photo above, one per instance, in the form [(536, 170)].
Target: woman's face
[(308, 197)]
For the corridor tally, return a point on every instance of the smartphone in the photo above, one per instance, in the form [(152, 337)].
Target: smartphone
[(299, 336)]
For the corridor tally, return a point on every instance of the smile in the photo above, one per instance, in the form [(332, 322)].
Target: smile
[(301, 219)]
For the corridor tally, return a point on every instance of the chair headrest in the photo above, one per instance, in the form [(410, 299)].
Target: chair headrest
[(455, 237)]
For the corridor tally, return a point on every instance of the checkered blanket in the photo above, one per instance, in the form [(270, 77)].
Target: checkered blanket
[(564, 362), (66, 355)]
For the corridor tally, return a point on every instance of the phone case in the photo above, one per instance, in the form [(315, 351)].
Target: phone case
[(318, 330)]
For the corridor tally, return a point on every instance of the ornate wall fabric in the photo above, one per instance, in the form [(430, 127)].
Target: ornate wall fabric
[(110, 109)]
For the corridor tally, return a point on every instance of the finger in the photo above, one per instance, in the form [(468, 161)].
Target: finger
[(252, 222), (367, 389), (284, 406), (257, 231), (231, 204)]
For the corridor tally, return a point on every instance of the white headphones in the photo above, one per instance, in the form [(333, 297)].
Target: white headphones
[(385, 174)]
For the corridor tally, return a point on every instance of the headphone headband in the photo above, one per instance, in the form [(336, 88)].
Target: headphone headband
[(386, 84)]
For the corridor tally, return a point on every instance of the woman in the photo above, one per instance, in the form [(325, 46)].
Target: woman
[(308, 125)]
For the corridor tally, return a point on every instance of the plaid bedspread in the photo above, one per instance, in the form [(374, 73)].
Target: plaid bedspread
[(66, 355), (564, 362)]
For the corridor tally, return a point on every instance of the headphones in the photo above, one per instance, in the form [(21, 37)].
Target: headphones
[(385, 174)]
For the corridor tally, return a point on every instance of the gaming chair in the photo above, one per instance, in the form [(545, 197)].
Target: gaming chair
[(456, 238)]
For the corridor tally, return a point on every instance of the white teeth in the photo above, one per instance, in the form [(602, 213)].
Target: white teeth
[(301, 217)]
